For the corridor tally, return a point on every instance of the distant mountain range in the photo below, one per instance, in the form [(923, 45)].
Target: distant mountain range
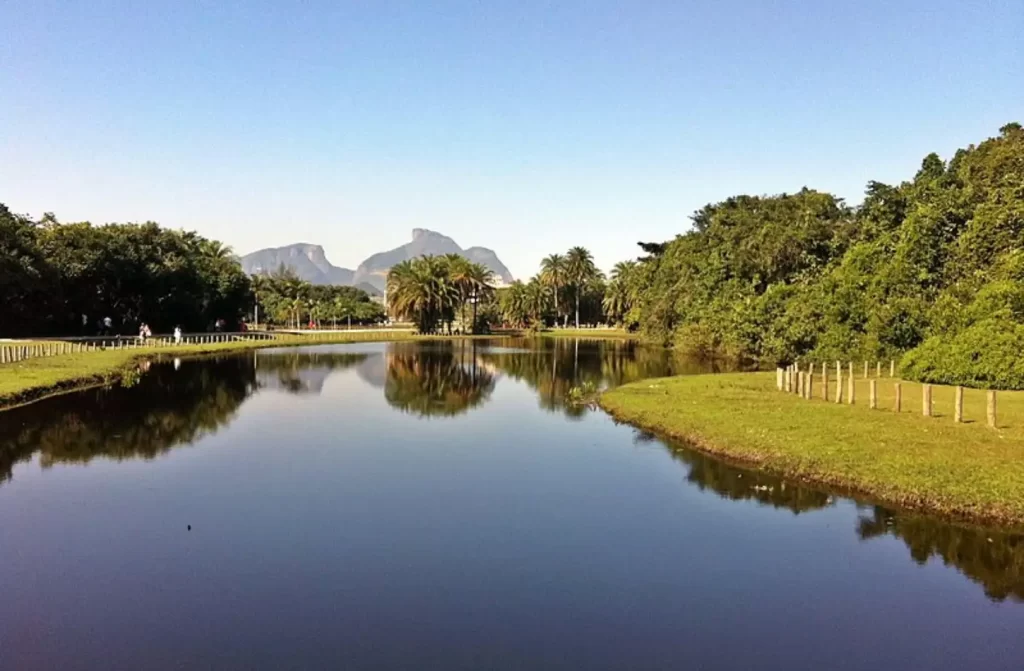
[(310, 263)]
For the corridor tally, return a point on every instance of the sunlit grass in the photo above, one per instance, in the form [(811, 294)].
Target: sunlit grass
[(588, 333), (965, 470)]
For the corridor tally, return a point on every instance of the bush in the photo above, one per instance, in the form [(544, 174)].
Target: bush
[(986, 354)]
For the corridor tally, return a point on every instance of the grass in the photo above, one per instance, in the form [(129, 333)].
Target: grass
[(966, 471), (37, 378), (588, 333)]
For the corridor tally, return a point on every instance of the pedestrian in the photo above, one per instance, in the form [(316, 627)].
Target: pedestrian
[(108, 326), (142, 332), (177, 335)]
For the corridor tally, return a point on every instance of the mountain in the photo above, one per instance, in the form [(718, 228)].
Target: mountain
[(310, 263)]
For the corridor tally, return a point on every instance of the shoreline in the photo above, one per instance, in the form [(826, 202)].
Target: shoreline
[(965, 473), (40, 378), (37, 379)]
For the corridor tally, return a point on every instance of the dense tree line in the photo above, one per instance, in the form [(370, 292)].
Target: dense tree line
[(568, 285), (66, 278), (932, 268), (282, 299)]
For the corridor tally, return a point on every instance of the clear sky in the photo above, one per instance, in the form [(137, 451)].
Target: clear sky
[(522, 126)]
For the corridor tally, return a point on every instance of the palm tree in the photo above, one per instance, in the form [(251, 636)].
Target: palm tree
[(552, 274), (513, 304), (580, 270), (261, 286), (618, 298), (460, 273), (536, 299), (422, 289)]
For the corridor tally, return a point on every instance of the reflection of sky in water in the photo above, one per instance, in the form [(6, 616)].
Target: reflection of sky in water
[(331, 530)]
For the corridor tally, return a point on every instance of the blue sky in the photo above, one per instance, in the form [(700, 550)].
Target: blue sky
[(522, 126)]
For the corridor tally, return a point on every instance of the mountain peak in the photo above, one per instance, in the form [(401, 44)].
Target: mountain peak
[(310, 262)]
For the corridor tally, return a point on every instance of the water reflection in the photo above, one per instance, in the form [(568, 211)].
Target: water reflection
[(176, 405), (993, 559), (438, 380), (158, 411)]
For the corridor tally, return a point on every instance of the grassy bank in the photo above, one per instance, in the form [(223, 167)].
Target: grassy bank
[(36, 378), (966, 471), (588, 333)]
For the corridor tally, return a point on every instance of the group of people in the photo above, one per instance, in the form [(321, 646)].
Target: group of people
[(105, 327), (145, 333)]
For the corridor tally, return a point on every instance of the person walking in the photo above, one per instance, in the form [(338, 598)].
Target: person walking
[(177, 335)]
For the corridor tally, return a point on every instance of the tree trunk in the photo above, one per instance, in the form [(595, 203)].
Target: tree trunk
[(577, 307), (475, 299)]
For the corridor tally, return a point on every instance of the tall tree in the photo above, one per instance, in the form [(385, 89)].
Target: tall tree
[(553, 274), (580, 270)]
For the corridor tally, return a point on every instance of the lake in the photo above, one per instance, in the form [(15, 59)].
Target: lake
[(440, 505)]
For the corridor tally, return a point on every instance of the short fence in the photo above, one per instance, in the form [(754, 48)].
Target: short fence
[(800, 380), (16, 351)]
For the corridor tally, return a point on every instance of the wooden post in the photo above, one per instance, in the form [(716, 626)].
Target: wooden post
[(824, 381), (852, 389), (926, 400), (991, 410), (899, 397), (778, 378), (958, 404), (799, 384), (865, 370), (809, 389), (878, 369), (839, 385), (892, 369), (873, 394), (789, 379)]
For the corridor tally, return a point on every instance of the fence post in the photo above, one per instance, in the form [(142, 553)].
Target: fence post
[(778, 378), (899, 397), (991, 411), (839, 384), (878, 369), (824, 381), (865, 370), (958, 404), (926, 400), (788, 382), (809, 389), (799, 383), (873, 394), (852, 388), (892, 368)]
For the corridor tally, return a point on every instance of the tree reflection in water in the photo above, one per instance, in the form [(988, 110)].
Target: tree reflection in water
[(168, 407), (161, 409), (439, 379), (993, 559)]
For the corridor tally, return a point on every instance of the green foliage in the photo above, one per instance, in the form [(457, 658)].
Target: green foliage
[(53, 274), (777, 278), (434, 290), (287, 300)]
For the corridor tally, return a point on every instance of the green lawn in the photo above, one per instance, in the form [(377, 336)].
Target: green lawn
[(967, 470), (588, 333)]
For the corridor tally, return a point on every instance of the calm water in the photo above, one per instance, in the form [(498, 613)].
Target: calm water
[(440, 506)]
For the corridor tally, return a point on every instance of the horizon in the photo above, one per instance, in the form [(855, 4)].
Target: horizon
[(524, 128)]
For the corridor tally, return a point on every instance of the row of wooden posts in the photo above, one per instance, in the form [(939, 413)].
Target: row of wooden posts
[(793, 379), (21, 351)]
